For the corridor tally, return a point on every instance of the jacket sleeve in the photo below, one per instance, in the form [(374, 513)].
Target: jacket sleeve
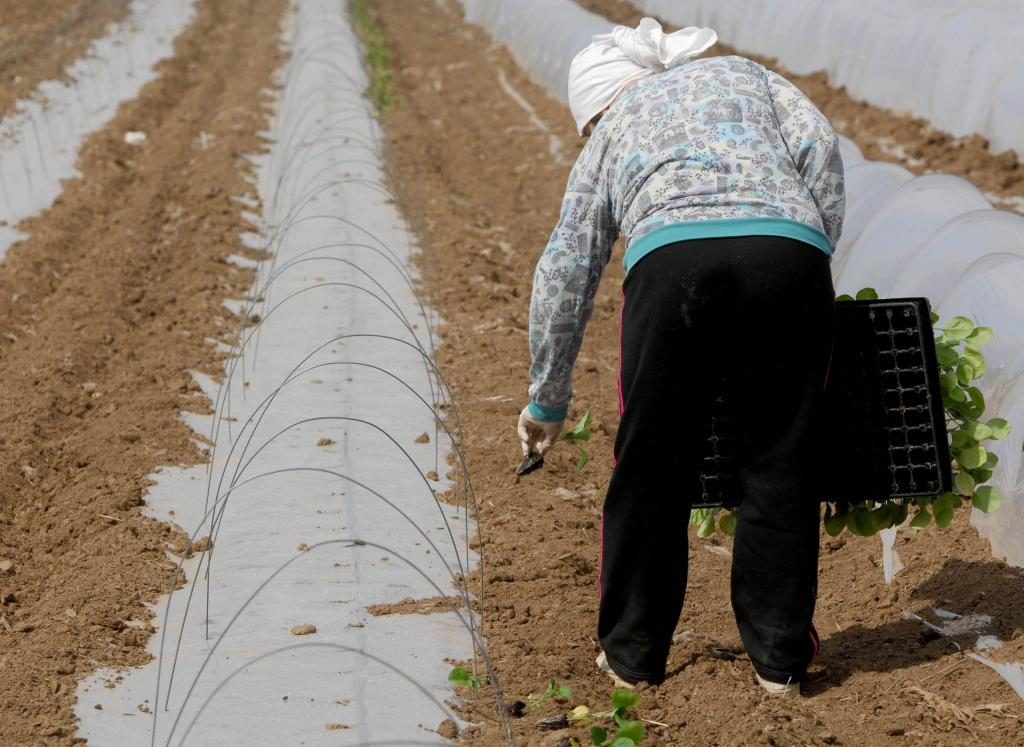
[(814, 147), (565, 283)]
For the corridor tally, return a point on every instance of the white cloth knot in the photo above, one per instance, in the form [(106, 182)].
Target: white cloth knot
[(614, 60)]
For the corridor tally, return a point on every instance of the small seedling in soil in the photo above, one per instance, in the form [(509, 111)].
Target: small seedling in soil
[(459, 676), (554, 690), (580, 433), (628, 733)]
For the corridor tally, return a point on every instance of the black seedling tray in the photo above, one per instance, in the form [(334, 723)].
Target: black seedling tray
[(884, 428)]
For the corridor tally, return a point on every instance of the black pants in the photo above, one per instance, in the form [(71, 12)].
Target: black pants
[(759, 311)]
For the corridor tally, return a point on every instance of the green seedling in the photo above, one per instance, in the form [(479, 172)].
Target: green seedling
[(708, 520), (460, 677), (961, 363), (378, 56), (627, 733), (553, 690), (579, 433)]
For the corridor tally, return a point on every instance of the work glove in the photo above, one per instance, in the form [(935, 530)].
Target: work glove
[(537, 436)]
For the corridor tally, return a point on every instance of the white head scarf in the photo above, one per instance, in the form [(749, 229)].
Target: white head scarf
[(612, 61)]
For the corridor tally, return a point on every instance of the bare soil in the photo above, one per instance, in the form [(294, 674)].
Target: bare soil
[(102, 311), (485, 192), (39, 39), (881, 134)]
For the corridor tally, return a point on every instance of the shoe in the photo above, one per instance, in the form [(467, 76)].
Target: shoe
[(604, 666), (781, 689)]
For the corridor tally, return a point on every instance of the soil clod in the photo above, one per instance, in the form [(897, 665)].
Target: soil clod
[(448, 729)]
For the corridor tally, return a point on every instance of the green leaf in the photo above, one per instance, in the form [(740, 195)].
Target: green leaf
[(991, 460), (727, 524), (977, 402), (699, 515), (977, 431), (981, 475), (944, 517), (973, 356), (958, 328), (563, 692), (598, 736), (972, 457), (860, 522), (956, 394), (987, 499), (947, 356), (459, 676), (706, 528), (580, 431), (844, 297), (835, 521), (965, 373), (881, 517), (943, 510), (834, 525), (961, 439), (981, 336), (921, 519), (623, 742), (963, 483), (980, 367), (867, 294), (934, 317), (633, 730), (582, 460), (899, 513), (1000, 428), (624, 699)]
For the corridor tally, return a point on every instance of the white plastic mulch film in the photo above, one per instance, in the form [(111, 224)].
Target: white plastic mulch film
[(958, 63), (539, 33), (39, 141), (935, 235), (332, 441)]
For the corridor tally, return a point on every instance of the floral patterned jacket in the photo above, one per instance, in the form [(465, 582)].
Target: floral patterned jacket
[(717, 147)]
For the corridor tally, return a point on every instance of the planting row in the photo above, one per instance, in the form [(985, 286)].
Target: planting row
[(320, 509)]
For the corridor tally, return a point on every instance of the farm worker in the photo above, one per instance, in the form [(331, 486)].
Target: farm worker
[(727, 186)]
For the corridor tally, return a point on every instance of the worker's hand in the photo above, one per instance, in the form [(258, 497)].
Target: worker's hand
[(537, 436)]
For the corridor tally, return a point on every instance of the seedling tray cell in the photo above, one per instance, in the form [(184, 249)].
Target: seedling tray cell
[(883, 430)]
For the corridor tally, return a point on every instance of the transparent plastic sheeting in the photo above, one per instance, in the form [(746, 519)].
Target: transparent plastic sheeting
[(538, 33), (933, 235), (937, 236), (39, 141), (319, 486), (957, 63)]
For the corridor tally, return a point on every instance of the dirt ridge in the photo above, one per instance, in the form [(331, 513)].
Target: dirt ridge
[(102, 311), (39, 40)]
